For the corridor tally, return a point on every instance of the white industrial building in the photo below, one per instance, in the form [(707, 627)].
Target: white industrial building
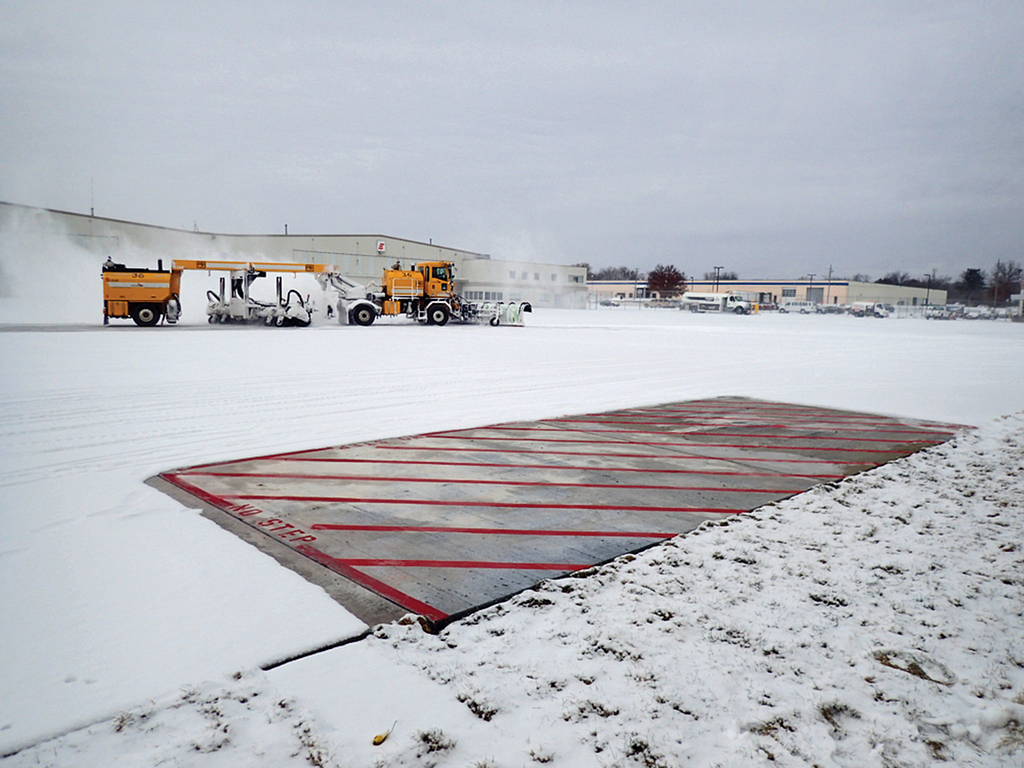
[(773, 291), (360, 257)]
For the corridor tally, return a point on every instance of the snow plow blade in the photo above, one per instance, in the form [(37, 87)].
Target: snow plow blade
[(501, 312)]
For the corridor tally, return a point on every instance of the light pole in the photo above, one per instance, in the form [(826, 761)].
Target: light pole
[(810, 286), (928, 293), (718, 271)]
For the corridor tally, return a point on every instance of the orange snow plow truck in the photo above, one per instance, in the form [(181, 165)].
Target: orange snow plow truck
[(149, 295), (425, 293)]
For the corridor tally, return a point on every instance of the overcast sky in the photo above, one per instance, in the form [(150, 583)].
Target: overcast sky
[(771, 138)]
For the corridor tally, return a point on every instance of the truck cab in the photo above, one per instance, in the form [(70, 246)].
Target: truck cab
[(437, 278)]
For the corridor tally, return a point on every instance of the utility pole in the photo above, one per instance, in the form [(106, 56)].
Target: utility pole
[(810, 286), (718, 271), (828, 290)]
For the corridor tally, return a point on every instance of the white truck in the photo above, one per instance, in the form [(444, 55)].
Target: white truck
[(715, 302)]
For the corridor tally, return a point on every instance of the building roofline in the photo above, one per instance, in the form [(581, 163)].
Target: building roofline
[(475, 254)]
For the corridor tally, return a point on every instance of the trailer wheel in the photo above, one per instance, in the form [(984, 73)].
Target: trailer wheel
[(437, 314), (145, 315), (363, 315)]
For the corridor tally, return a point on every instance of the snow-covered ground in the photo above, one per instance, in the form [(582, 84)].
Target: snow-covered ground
[(873, 623)]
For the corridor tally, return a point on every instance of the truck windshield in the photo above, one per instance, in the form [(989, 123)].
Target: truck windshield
[(439, 273)]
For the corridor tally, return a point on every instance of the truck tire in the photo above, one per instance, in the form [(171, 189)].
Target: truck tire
[(362, 315), (146, 315), (437, 314)]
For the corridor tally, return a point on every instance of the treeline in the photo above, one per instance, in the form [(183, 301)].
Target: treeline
[(973, 285), (665, 279)]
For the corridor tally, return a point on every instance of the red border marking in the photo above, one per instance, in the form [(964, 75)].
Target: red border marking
[(338, 566), (268, 457), (455, 481), (731, 411), (375, 585), (487, 504), (747, 423), (174, 478), (372, 562), (489, 531), (551, 466), (455, 434), (677, 445), (732, 459)]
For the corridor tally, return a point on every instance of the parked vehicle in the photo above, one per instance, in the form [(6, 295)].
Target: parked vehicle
[(803, 307), (868, 309), (715, 302), (937, 312)]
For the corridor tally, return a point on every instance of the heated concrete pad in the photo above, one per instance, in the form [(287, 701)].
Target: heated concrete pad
[(444, 523)]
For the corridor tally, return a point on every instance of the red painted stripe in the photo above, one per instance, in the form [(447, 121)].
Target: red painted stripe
[(562, 430), (268, 457), (667, 445), (416, 462), (372, 562), (746, 423), (174, 478), (731, 412), (455, 481), (489, 531), (733, 459), (346, 569), (488, 504)]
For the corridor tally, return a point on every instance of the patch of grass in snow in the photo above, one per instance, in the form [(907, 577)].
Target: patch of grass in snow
[(584, 710), (127, 720), (484, 711), (316, 755), (641, 752), (432, 742), (533, 601), (771, 727), (835, 712), (911, 664), (541, 756)]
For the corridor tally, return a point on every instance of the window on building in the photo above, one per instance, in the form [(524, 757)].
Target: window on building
[(512, 275), (554, 278), (575, 278), (536, 275), (526, 275), (789, 293)]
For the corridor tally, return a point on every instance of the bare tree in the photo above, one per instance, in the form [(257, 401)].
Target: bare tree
[(590, 271), (970, 285), (722, 276), (618, 273), (894, 278), (1005, 280), (666, 280)]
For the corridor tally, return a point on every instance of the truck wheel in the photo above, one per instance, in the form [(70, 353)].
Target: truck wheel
[(437, 314), (363, 315), (145, 315)]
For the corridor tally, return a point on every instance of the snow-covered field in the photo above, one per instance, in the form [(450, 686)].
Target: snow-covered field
[(878, 622)]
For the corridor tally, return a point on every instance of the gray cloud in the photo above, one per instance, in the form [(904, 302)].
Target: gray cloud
[(775, 138)]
